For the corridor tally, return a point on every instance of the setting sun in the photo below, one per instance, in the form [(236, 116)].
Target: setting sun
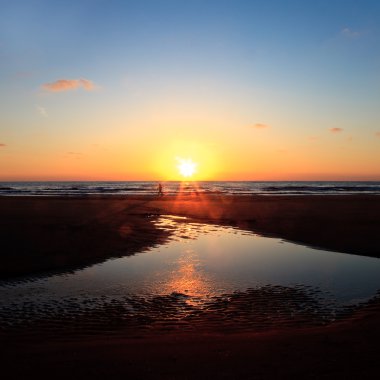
[(186, 167)]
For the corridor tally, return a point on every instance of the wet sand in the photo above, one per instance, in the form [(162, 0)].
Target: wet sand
[(41, 233), (45, 234), (344, 350)]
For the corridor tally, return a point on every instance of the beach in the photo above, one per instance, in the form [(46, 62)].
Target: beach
[(48, 233), (42, 235)]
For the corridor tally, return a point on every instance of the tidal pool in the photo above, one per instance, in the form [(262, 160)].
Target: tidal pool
[(206, 276)]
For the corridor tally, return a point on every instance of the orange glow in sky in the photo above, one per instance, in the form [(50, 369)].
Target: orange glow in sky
[(232, 95)]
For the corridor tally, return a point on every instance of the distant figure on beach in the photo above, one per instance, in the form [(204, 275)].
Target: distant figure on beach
[(160, 192)]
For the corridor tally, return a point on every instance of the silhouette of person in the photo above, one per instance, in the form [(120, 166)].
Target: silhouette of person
[(160, 192)]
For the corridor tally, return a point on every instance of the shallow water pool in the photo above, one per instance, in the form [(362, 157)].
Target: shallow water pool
[(206, 276)]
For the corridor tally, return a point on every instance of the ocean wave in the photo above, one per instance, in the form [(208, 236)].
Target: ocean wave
[(172, 188), (303, 188)]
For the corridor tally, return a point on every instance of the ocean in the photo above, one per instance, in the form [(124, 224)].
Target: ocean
[(84, 188)]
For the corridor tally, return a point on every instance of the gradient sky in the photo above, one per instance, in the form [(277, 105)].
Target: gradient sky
[(250, 90)]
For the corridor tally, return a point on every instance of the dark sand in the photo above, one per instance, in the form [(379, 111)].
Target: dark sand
[(43, 234), (51, 233)]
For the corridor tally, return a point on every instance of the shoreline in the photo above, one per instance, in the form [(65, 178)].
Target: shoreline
[(51, 233), (174, 188)]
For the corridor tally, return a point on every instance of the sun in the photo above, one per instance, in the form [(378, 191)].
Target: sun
[(186, 167)]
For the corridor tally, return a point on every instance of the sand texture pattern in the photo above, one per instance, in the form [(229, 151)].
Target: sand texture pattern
[(249, 336)]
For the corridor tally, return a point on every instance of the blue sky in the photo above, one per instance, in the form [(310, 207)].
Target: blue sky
[(192, 70)]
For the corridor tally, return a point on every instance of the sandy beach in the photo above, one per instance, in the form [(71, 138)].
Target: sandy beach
[(45, 234)]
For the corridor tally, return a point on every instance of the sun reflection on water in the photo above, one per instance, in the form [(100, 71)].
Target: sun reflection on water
[(188, 278)]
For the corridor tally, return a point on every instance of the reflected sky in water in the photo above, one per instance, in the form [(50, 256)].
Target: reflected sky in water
[(200, 263), (207, 260)]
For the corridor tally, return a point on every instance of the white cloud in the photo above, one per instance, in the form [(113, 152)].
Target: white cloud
[(42, 111), (347, 32)]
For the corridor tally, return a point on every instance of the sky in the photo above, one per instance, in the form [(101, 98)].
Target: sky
[(247, 90)]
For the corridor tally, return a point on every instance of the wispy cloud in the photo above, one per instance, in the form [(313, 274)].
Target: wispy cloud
[(42, 111), (336, 130), (76, 155), (2, 145), (349, 33), (68, 85), (377, 134), (260, 126)]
